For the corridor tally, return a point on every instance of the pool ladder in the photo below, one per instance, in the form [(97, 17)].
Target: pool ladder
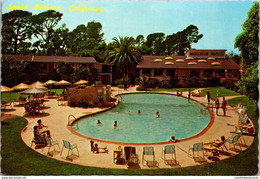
[(74, 118)]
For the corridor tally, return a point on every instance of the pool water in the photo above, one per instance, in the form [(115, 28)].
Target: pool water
[(177, 118)]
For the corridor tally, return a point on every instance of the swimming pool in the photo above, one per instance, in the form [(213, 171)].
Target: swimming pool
[(177, 118)]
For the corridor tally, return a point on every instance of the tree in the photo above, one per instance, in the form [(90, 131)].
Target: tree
[(192, 34), (247, 42), (124, 55), (235, 57), (155, 41), (65, 70), (16, 30), (179, 42), (44, 24), (12, 71)]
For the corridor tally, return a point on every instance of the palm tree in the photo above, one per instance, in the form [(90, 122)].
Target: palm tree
[(124, 54)]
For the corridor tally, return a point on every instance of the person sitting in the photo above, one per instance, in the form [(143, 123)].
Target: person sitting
[(92, 147), (99, 122), (173, 139), (38, 136), (41, 130), (97, 149)]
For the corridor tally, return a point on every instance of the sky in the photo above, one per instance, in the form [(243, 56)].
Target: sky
[(219, 21)]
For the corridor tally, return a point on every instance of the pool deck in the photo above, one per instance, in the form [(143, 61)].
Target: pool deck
[(56, 118)]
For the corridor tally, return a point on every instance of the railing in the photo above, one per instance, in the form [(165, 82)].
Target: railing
[(74, 118)]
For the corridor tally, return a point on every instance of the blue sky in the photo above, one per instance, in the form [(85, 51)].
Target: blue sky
[(219, 21)]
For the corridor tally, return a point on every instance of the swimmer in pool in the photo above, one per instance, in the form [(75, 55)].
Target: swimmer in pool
[(115, 124), (138, 112), (201, 111), (129, 112), (158, 114), (99, 122)]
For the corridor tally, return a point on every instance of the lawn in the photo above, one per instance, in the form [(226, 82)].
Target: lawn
[(19, 159), (219, 92), (170, 89), (9, 97)]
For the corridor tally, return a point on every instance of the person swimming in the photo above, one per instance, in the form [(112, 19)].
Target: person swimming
[(139, 112), (99, 122), (158, 114), (115, 124)]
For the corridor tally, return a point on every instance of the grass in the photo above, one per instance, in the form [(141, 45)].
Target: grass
[(170, 89), (19, 159), (10, 97), (219, 92)]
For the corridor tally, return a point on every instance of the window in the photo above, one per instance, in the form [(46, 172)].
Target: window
[(195, 73), (170, 72), (146, 72), (207, 73), (158, 72), (105, 68), (220, 73)]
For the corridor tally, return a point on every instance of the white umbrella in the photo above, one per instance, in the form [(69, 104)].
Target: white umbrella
[(63, 82), (33, 90), (81, 82), (50, 82), (21, 86), (5, 89)]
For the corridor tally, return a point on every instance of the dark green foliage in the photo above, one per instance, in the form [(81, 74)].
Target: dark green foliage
[(12, 71), (247, 42), (16, 30)]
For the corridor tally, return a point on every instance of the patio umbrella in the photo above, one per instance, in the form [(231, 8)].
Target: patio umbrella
[(81, 82), (40, 87), (33, 90), (37, 83), (50, 82), (63, 82), (5, 89), (21, 86)]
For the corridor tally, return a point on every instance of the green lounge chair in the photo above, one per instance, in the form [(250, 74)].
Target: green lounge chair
[(149, 152), (169, 155), (198, 147), (234, 139), (67, 145), (51, 143)]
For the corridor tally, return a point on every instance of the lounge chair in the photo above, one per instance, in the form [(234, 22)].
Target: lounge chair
[(220, 144), (130, 156), (51, 143), (150, 159), (67, 145), (169, 155), (234, 139), (198, 147)]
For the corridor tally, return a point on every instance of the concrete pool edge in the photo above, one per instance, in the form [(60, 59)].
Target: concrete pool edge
[(69, 126)]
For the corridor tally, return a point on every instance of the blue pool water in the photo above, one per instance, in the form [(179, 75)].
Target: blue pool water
[(177, 118)]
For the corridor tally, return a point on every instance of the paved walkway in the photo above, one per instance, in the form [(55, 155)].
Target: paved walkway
[(56, 118)]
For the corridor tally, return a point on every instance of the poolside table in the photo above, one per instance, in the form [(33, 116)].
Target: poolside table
[(212, 149)]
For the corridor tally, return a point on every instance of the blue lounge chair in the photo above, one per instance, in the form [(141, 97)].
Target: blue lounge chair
[(50, 143), (149, 152), (198, 147), (169, 155), (67, 145)]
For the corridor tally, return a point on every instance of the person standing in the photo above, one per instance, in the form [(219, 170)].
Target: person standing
[(217, 105), (189, 96), (208, 96), (224, 106)]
